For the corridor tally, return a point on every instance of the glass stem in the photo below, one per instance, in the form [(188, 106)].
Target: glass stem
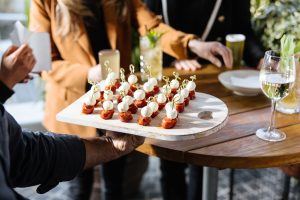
[(273, 107)]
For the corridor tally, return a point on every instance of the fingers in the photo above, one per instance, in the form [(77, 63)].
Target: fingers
[(23, 50), (137, 141), (10, 50), (184, 65), (187, 65), (194, 65), (27, 79), (178, 66), (29, 61), (223, 51), (214, 60)]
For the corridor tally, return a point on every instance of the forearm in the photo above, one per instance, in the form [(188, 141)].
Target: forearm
[(98, 150), (114, 145)]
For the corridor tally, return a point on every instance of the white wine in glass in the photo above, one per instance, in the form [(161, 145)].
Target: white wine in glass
[(277, 77)]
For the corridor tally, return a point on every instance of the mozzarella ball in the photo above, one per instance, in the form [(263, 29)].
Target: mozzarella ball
[(153, 81), (174, 84), (166, 89), (146, 111), (132, 79), (108, 82), (90, 100), (161, 98), (108, 105), (172, 114), (123, 88), (191, 86), (139, 94), (125, 85), (179, 98), (96, 95), (108, 95), (101, 85), (128, 100), (169, 106), (123, 107), (153, 106), (148, 87), (112, 76), (184, 92)]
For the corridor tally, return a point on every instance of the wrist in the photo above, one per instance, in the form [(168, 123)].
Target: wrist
[(8, 82), (194, 45)]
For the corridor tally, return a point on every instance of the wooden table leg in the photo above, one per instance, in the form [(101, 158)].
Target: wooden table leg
[(210, 183)]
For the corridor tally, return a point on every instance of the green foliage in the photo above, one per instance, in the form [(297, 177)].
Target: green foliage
[(27, 8), (153, 37), (287, 46), (274, 18)]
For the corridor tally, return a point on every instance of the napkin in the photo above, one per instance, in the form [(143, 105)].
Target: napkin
[(250, 81), (39, 43)]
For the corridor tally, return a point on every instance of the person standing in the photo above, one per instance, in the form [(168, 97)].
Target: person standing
[(79, 29), (193, 16)]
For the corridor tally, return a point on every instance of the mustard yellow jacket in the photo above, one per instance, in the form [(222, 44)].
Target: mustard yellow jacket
[(72, 56)]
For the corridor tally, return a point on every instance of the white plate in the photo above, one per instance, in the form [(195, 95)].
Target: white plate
[(241, 82), (189, 125)]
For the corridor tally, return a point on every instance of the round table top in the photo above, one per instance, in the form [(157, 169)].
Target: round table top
[(236, 145)]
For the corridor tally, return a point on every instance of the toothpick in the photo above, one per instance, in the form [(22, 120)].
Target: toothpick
[(131, 68), (176, 75), (166, 79), (193, 77), (122, 75)]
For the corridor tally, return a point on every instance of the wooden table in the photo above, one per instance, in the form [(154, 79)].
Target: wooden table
[(236, 145)]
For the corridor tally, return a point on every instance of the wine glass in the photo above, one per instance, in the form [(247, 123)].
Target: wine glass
[(277, 77)]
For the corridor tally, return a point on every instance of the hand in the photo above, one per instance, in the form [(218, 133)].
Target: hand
[(95, 74), (186, 65), (112, 146), (210, 51), (16, 64), (124, 143)]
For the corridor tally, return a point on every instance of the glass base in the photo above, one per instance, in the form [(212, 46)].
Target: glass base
[(273, 136)]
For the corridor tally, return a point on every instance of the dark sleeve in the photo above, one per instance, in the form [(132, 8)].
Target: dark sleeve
[(5, 92), (43, 158), (254, 50), (154, 6)]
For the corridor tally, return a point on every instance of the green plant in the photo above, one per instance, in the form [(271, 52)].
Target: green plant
[(273, 19), (153, 37)]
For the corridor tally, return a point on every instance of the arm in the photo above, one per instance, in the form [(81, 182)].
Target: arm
[(177, 43), (47, 158), (42, 158)]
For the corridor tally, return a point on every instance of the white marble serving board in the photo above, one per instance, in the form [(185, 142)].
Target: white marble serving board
[(189, 125)]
